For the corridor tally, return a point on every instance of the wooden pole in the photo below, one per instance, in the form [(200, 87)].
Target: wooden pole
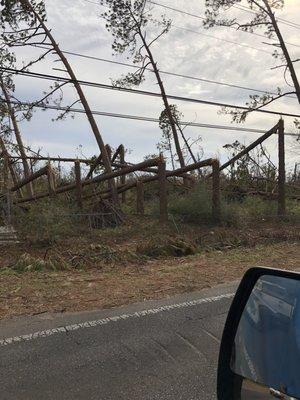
[(177, 172), (117, 153), (51, 180), (97, 179), (123, 178), (163, 197), (93, 163), (92, 167), (281, 170), (10, 166), (250, 147), (78, 183), (7, 189), (35, 175), (5, 173), (109, 153), (140, 198), (216, 197), (18, 136)]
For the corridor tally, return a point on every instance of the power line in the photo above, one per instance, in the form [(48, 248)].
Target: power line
[(223, 40), (142, 92), (204, 34), (202, 18), (284, 21), (164, 72), (146, 119)]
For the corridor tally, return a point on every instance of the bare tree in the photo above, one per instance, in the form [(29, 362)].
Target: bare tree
[(12, 116), (24, 24), (9, 112), (166, 129), (128, 21), (262, 17)]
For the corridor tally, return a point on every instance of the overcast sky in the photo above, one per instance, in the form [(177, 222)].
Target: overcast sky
[(77, 26)]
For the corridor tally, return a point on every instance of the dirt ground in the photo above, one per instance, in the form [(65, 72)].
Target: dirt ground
[(113, 273)]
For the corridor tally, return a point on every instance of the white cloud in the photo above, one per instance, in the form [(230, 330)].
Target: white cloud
[(77, 27)]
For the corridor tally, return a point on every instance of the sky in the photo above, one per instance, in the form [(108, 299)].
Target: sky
[(78, 27)]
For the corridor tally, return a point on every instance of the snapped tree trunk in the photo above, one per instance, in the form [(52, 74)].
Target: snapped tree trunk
[(284, 49), (84, 102), (18, 136), (165, 100), (11, 167)]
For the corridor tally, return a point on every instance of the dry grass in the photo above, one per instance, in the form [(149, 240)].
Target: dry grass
[(123, 283)]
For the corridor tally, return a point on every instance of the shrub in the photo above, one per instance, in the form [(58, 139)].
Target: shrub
[(171, 247), (28, 263), (293, 207), (193, 207), (45, 222)]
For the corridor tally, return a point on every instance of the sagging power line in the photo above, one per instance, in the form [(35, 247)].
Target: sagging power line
[(146, 119), (143, 92), (236, 43), (210, 81), (282, 20), (203, 18)]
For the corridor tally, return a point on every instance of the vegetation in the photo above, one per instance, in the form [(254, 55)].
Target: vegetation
[(63, 247), (262, 18), (46, 222)]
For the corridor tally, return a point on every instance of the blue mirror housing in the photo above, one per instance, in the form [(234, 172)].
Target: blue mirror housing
[(260, 348)]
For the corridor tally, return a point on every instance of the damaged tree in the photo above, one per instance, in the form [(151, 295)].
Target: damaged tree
[(127, 21), (262, 17), (17, 12), (9, 114), (12, 116), (166, 144)]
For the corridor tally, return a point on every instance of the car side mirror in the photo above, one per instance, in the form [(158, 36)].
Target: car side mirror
[(260, 348)]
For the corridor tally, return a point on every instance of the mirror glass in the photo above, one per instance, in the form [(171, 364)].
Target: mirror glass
[(267, 344)]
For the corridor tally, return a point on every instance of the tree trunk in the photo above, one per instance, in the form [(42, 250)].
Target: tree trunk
[(11, 167), (18, 136), (284, 49), (165, 100), (81, 96), (281, 170)]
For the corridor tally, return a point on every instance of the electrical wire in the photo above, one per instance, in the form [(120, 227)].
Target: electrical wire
[(283, 21), (203, 18), (232, 85), (223, 40), (143, 92), (204, 34), (146, 119)]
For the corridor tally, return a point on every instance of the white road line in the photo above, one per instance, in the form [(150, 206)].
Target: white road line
[(104, 321)]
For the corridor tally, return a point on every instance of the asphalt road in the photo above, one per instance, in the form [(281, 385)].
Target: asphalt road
[(154, 350)]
